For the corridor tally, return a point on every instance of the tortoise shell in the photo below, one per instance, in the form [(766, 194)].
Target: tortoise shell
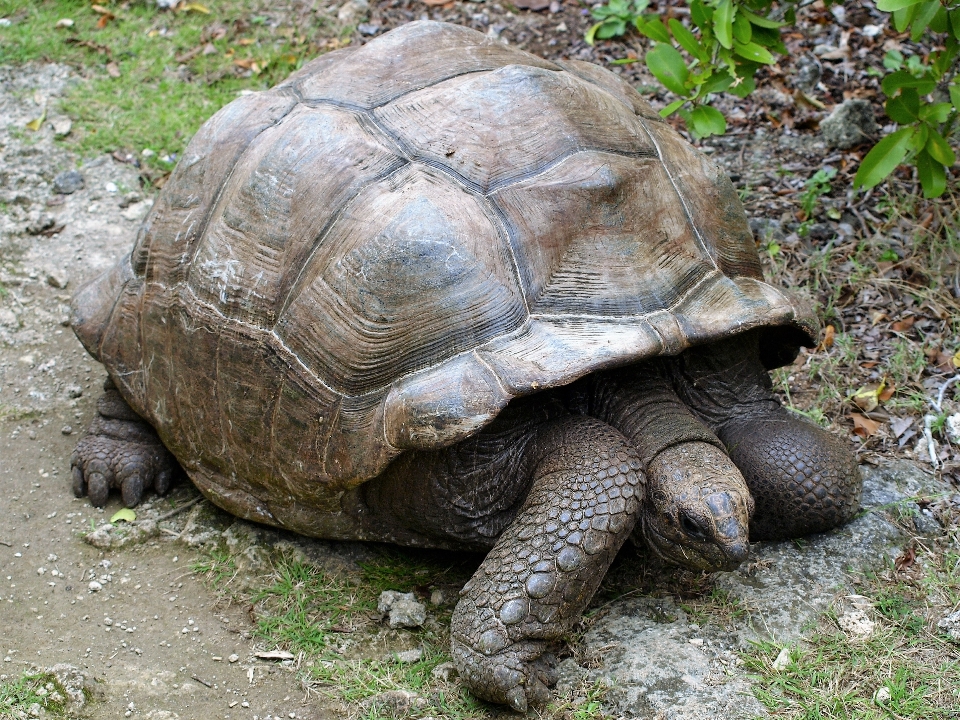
[(381, 252)]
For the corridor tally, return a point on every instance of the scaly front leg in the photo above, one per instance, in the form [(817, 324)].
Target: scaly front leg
[(544, 569)]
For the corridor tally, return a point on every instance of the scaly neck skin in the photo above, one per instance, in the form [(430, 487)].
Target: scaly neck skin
[(724, 381), (640, 403)]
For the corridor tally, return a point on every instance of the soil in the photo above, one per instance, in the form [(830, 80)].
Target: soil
[(138, 621)]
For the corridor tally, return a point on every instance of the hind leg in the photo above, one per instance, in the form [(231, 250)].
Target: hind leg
[(119, 451)]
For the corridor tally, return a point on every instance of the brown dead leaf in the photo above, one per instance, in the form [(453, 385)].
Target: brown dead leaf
[(100, 9), (864, 426), (944, 362), (887, 392), (907, 558), (829, 334), (245, 41), (904, 324), (113, 70), (104, 19)]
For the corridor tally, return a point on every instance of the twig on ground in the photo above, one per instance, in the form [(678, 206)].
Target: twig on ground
[(4, 542), (177, 511), (202, 682)]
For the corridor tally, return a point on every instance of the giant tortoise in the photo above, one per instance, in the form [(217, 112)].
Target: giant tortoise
[(439, 292)]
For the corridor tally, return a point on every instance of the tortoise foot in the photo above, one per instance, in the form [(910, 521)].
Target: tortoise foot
[(120, 451), (519, 675)]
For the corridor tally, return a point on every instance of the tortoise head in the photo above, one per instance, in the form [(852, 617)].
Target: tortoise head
[(698, 508)]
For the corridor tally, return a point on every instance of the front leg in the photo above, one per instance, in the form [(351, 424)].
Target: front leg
[(584, 500), (120, 451)]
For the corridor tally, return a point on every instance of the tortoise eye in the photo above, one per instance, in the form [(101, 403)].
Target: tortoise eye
[(691, 527)]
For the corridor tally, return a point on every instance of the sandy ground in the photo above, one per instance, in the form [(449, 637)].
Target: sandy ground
[(137, 621)]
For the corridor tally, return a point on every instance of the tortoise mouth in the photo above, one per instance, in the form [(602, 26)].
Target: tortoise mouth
[(706, 554)]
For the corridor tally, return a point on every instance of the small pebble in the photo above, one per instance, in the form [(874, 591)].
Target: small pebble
[(94, 586), (233, 658), (67, 183), (66, 430)]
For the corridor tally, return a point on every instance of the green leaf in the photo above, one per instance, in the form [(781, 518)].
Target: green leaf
[(589, 37), (723, 23), (903, 79), (939, 149), (955, 95), (700, 14), (611, 28), (705, 120), (125, 515), (891, 5), (687, 40), (672, 108), (893, 60), (742, 30), (936, 112), (667, 65), (760, 21), (940, 22), (923, 18), (653, 28), (754, 52), (883, 158), (905, 107), (716, 83), (933, 176)]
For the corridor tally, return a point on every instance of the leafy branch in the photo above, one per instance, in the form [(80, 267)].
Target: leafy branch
[(725, 42)]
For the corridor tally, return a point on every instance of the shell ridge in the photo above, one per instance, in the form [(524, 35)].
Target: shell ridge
[(218, 197), (257, 332), (683, 201), (293, 289)]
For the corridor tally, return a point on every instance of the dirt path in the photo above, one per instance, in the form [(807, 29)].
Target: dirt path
[(137, 620)]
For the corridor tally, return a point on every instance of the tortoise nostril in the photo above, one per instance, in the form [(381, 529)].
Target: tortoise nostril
[(691, 527)]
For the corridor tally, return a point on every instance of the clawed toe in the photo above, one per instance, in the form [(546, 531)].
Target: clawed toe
[(122, 455), (519, 675)]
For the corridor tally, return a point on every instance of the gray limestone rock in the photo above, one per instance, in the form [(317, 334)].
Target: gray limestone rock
[(68, 182), (851, 123), (402, 609)]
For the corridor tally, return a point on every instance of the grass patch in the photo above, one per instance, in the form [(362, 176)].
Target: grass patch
[(19, 695), (347, 656), (905, 668), (152, 76)]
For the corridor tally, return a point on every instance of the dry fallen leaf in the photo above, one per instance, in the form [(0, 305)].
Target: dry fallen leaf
[(868, 397), (104, 19), (955, 360), (864, 426), (904, 324), (828, 337), (887, 392), (113, 70), (907, 558), (37, 122), (194, 7)]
